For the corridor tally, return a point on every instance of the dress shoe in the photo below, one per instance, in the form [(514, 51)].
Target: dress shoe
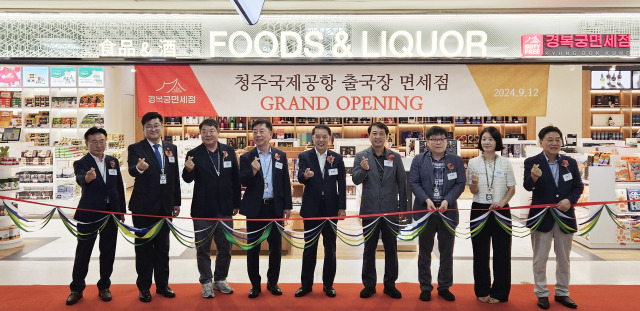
[(254, 292), (447, 295), (105, 294), (274, 289), (165, 291), (303, 291), (425, 295), (393, 292), (543, 302), (73, 298), (329, 290), (565, 301), (367, 292), (145, 295)]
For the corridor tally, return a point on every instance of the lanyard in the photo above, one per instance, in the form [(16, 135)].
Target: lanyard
[(266, 173), (214, 165), (493, 177)]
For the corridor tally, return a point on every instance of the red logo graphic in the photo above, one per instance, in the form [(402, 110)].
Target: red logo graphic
[(532, 45), (182, 95)]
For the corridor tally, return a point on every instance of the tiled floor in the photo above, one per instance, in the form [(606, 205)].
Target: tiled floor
[(47, 258)]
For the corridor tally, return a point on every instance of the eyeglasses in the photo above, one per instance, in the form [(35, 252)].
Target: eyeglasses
[(153, 127), (437, 140), (95, 142)]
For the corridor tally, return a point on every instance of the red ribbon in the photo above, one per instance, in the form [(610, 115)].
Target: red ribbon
[(315, 218)]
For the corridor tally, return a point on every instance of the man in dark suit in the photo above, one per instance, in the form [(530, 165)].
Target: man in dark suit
[(216, 194), (102, 190), (323, 174), (265, 173), (437, 180), (156, 191), (555, 180), (383, 179)]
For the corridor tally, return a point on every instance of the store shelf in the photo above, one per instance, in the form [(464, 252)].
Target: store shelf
[(42, 167)]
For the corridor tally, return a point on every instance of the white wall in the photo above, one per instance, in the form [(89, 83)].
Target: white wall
[(564, 101)]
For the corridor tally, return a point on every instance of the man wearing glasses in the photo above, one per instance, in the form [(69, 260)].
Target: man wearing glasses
[(216, 194), (156, 191), (437, 179)]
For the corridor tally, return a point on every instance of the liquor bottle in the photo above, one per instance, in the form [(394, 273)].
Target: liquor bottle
[(232, 123), (602, 84), (610, 121)]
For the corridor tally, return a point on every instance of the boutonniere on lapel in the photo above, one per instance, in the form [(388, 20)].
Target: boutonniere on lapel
[(168, 153), (224, 154), (113, 163), (565, 164), (277, 156), (450, 167), (390, 158), (330, 160)]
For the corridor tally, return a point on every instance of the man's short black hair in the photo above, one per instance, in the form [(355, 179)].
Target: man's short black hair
[(495, 134), (548, 129), (321, 127), (210, 122), (267, 123), (378, 125), (436, 130), (150, 116), (94, 130)]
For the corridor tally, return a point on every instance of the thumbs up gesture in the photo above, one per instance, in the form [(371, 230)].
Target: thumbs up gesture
[(90, 176), (474, 177), (142, 165), (308, 173), (536, 172), (364, 163), (189, 165)]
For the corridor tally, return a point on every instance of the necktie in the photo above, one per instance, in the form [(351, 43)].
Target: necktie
[(158, 155)]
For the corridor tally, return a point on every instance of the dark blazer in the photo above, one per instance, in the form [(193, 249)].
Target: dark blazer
[(149, 196), (213, 195), (335, 198), (387, 196), (421, 179), (95, 194), (252, 200), (545, 191)]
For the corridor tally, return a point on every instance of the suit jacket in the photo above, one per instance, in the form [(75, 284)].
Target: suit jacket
[(149, 196), (545, 191), (95, 194), (252, 200), (334, 186), (387, 196), (213, 195), (422, 179)]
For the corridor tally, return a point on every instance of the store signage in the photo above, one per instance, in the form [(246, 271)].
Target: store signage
[(91, 76), (597, 45), (349, 91), (401, 43), (63, 76), (172, 91), (35, 76)]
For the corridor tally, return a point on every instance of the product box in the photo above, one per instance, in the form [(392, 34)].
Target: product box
[(634, 169), (621, 195), (633, 194)]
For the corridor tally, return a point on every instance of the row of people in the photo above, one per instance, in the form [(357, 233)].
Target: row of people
[(436, 179)]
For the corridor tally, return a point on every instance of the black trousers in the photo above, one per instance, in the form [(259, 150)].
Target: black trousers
[(446, 241), (390, 243), (152, 258), (275, 248), (492, 233), (309, 255), (107, 245)]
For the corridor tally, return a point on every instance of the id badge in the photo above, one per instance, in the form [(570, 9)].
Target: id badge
[(453, 175), (388, 163), (226, 164), (489, 198), (172, 159), (333, 171), (567, 177), (436, 191), (499, 174), (163, 179), (279, 165), (266, 186), (113, 171)]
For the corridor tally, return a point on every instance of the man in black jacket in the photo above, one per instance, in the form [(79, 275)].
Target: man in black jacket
[(323, 174), (102, 190), (214, 169), (156, 191), (265, 173)]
